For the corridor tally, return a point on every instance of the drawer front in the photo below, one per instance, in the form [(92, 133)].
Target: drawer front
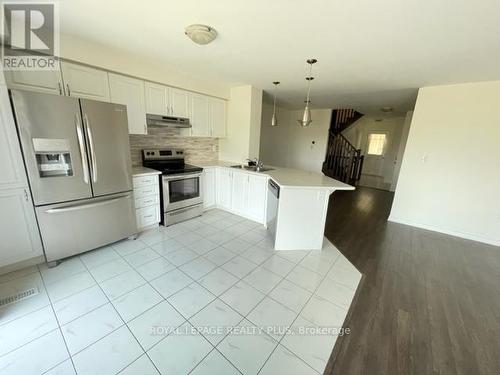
[(146, 191), (148, 216), (72, 228), (151, 200), (142, 181)]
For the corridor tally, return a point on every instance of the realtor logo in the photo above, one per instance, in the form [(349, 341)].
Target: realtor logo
[(31, 37)]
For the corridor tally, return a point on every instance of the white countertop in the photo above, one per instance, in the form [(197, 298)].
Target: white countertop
[(289, 177), (143, 171)]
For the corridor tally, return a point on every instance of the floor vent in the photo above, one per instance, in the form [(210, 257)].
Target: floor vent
[(18, 297)]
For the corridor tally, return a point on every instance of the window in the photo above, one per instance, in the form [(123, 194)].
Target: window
[(376, 143)]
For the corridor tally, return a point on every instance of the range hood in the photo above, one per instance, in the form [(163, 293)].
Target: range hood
[(169, 121)]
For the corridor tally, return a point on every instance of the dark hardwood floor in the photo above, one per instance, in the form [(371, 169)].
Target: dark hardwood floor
[(428, 303)]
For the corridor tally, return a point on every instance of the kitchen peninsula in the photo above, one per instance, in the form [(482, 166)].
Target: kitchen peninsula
[(292, 203)]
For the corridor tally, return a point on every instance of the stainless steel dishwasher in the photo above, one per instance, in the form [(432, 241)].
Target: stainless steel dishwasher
[(273, 196)]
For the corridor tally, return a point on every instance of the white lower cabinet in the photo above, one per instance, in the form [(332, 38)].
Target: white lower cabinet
[(208, 187), (257, 198), (224, 188), (19, 231), (242, 193), (239, 193), (147, 201)]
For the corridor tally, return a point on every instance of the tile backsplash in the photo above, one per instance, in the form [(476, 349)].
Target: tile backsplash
[(197, 149)]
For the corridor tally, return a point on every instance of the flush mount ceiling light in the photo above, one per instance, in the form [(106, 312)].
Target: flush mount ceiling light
[(274, 120), (387, 109), (200, 34), (306, 117)]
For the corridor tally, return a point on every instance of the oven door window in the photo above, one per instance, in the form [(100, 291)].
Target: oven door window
[(181, 190)]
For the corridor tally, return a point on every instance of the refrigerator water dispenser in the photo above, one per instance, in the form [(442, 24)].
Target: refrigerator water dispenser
[(53, 157)]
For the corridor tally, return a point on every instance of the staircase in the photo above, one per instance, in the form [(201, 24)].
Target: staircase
[(343, 161)]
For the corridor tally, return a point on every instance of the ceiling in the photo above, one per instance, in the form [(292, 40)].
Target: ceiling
[(370, 53)]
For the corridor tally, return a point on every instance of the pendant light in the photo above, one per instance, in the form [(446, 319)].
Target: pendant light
[(274, 119), (306, 117)]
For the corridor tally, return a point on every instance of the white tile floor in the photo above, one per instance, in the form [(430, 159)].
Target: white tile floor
[(208, 296)]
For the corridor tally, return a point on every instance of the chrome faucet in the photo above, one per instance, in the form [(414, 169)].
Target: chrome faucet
[(258, 163)]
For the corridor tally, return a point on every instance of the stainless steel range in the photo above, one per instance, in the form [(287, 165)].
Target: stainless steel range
[(181, 197)]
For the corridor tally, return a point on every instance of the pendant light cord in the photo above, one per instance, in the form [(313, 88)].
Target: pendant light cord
[(309, 79)]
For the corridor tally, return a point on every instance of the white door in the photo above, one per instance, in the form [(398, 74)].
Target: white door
[(199, 116), (256, 198), (217, 117), (179, 102), (224, 188), (130, 92), (379, 162), (240, 192), (49, 81), (85, 82), (209, 183), (156, 99), (20, 236)]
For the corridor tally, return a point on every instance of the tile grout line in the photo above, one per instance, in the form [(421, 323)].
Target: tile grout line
[(219, 245), (298, 315), (58, 323), (124, 324)]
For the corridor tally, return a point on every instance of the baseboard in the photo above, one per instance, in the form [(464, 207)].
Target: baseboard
[(467, 236), (23, 264)]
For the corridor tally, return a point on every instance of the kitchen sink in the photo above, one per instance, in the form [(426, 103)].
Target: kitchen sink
[(251, 168)]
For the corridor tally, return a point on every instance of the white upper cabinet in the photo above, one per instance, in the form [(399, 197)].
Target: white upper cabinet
[(85, 82), (217, 117), (41, 81), (199, 116), (156, 99), (166, 101), (179, 102), (130, 92)]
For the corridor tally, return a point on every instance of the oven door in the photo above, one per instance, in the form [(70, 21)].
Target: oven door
[(181, 190)]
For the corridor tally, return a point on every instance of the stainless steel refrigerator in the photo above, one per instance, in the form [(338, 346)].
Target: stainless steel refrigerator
[(77, 155)]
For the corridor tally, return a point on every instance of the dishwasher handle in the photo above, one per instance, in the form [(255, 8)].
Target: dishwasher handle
[(274, 188)]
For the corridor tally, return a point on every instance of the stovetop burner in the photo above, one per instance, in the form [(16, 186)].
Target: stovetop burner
[(168, 161)]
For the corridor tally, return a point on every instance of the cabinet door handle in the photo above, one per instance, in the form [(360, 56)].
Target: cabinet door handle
[(67, 87), (60, 88), (26, 195)]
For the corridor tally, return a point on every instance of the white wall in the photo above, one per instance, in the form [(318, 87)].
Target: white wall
[(274, 139), (290, 145), (450, 176), (401, 150), (302, 153), (243, 125), (122, 62)]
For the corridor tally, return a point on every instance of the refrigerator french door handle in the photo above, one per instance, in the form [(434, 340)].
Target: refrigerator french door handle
[(91, 145), (77, 207), (81, 146)]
